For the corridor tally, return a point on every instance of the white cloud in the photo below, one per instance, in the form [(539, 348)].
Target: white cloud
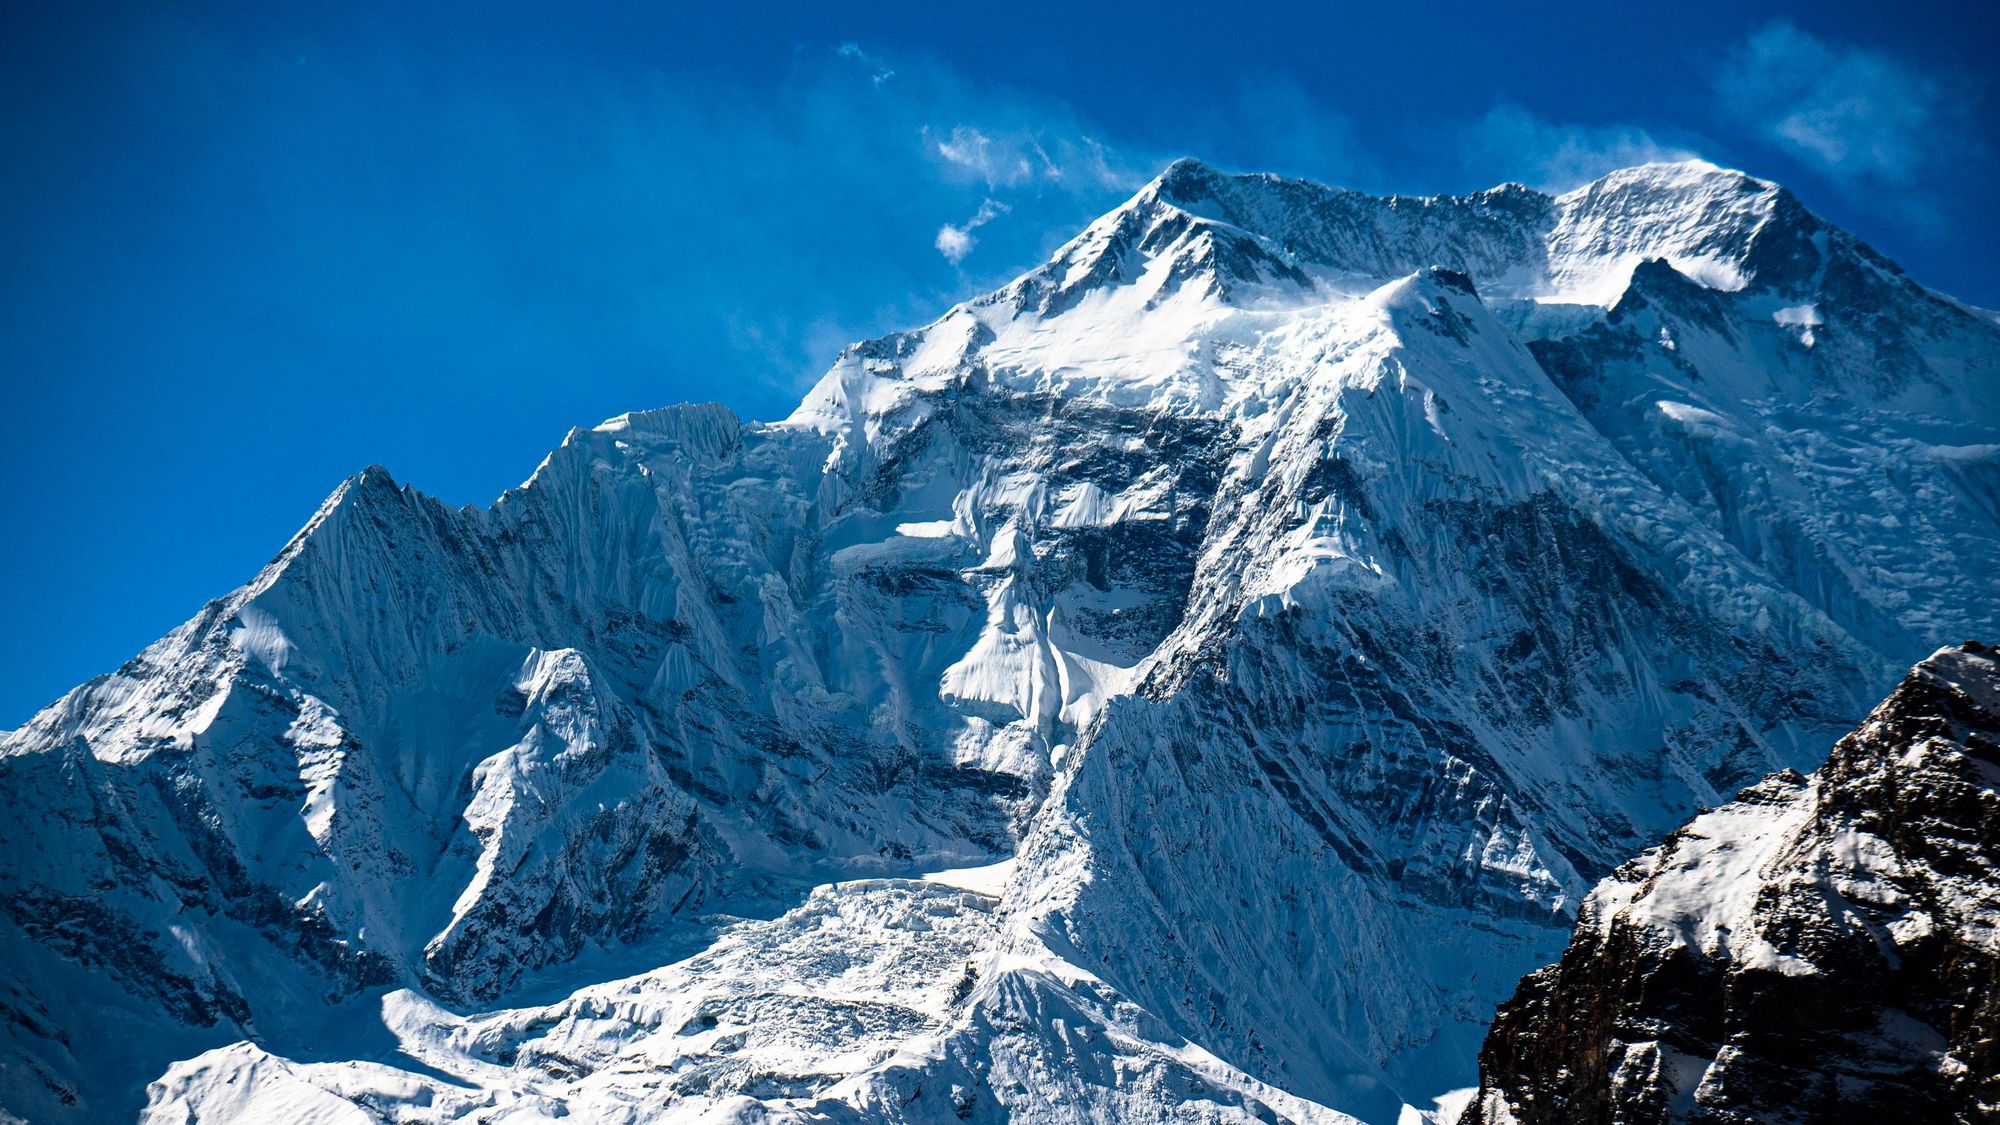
[(1003, 163), (1513, 143), (1012, 155), (882, 72), (975, 141), (955, 242), (1849, 111)]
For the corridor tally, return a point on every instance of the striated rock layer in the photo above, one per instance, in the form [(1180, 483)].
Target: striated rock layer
[(1307, 596), (1824, 948)]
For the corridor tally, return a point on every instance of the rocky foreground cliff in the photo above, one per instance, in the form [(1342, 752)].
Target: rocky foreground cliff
[(1823, 948)]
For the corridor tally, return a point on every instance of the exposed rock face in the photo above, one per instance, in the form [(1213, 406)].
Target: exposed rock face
[(1312, 594), (1824, 948)]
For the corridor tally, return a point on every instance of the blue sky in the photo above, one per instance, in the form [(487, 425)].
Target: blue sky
[(251, 249)]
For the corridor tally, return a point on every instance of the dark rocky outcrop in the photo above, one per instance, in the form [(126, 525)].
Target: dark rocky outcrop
[(1821, 949)]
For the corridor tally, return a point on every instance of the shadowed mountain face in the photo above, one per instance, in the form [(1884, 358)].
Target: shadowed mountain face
[(1823, 948), (1308, 596)]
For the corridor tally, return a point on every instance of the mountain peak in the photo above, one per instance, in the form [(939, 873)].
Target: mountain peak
[(1184, 169), (1676, 195), (1676, 173), (1725, 229), (1269, 563), (1243, 233)]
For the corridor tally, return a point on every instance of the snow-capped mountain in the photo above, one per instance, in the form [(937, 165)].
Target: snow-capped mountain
[(1286, 603), (1820, 949)]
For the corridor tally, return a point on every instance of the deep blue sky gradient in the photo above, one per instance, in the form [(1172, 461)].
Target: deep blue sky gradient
[(251, 249)]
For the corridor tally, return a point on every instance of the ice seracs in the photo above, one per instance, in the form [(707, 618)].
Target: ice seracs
[(1310, 595)]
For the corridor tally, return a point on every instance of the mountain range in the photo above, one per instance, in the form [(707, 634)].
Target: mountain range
[(1194, 682)]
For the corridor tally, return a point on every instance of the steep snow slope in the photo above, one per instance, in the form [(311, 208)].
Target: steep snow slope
[(1820, 949), (449, 747), (1318, 591)]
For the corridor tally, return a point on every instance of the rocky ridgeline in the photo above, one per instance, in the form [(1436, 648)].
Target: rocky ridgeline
[(1824, 948)]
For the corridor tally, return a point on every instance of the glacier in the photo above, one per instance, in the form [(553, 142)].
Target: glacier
[(1263, 623)]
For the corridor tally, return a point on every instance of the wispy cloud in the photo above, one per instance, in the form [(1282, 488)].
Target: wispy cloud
[(1512, 143), (1014, 155), (1281, 128), (1852, 112), (1003, 162), (882, 71), (955, 242)]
